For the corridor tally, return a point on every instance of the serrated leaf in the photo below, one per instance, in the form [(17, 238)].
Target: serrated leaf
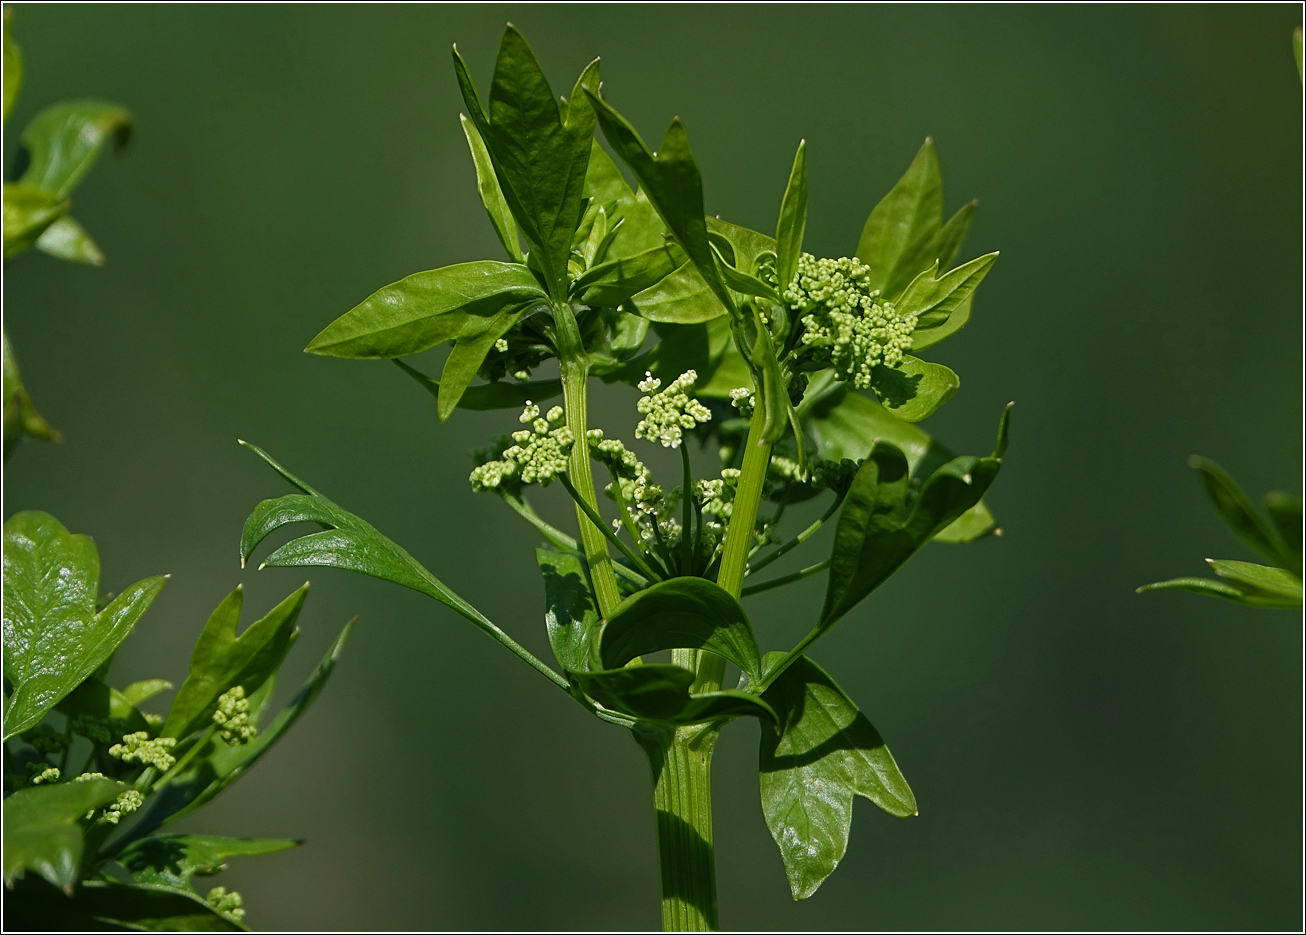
[(172, 859), (41, 830), (53, 638), (826, 753), (915, 388), (681, 613), (426, 309), (660, 693)]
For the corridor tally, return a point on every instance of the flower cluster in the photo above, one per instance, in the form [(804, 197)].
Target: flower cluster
[(232, 717), (227, 903), (139, 748), (538, 455), (667, 414), (742, 399), (38, 773), (846, 325), (123, 806)]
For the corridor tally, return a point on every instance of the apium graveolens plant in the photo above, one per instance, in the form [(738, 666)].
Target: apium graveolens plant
[(90, 775), (799, 374)]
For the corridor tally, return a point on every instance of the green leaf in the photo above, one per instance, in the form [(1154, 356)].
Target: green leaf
[(1237, 511), (102, 906), (951, 235), (744, 283), (672, 181), (618, 280), (65, 140), (95, 699), (426, 309), (540, 158), (914, 389), (470, 351), (896, 240), (975, 523), (793, 219), (708, 348), (145, 689), (53, 638), (660, 693), (878, 530), (28, 212), (65, 239), (1286, 514), (1229, 590), (826, 753), (172, 859), (347, 542), (20, 416), (957, 320), (682, 297), (41, 830), (496, 395), (223, 660), (681, 613), (218, 765), (569, 610), (935, 300), (487, 186), (13, 63)]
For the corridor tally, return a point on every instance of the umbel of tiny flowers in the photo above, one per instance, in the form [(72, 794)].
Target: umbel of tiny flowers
[(538, 455), (845, 324), (669, 413)]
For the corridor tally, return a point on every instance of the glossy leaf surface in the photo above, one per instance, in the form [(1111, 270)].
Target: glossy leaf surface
[(681, 613), (53, 638), (487, 186), (221, 659), (914, 389), (65, 140), (41, 830), (660, 693), (682, 297), (826, 753), (569, 610), (426, 309)]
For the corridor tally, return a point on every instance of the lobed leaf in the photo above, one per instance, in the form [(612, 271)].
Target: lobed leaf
[(680, 613), (825, 753), (172, 859), (427, 309), (42, 831), (53, 638), (222, 660)]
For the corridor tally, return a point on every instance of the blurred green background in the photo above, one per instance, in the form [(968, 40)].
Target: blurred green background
[(1084, 757)]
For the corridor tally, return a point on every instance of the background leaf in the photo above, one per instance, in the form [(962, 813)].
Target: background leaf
[(569, 610), (825, 753), (172, 859)]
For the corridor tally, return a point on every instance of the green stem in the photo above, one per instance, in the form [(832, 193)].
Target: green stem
[(748, 497), (575, 368), (786, 579), (687, 527), (797, 540), (681, 764), (608, 534)]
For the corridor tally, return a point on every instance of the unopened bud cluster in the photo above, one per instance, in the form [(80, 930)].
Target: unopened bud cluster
[(846, 324), (232, 717), (667, 414), (538, 455), (139, 748)]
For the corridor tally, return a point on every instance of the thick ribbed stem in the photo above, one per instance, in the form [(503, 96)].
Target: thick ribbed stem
[(681, 763), (574, 366)]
